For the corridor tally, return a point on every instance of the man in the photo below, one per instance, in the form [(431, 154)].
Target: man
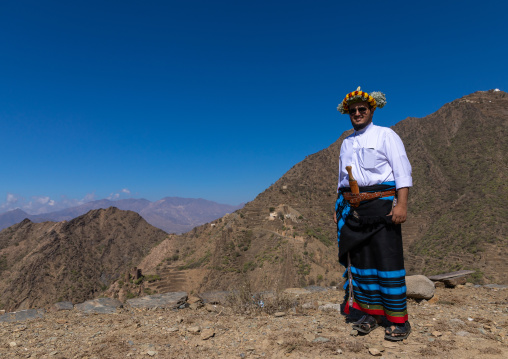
[(369, 222)]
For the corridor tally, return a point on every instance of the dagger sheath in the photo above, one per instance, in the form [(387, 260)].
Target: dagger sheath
[(352, 182)]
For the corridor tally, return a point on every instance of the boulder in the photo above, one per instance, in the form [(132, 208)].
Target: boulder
[(22, 315), (419, 287), (100, 305)]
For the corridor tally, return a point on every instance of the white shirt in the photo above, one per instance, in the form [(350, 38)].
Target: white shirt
[(376, 155)]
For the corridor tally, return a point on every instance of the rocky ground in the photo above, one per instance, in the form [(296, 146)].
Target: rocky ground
[(464, 322)]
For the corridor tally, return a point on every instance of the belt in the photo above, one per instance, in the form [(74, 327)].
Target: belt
[(355, 198)]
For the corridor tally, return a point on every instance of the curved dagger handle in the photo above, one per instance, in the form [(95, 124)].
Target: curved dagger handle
[(350, 173)]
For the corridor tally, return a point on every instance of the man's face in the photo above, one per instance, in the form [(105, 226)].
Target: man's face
[(360, 115)]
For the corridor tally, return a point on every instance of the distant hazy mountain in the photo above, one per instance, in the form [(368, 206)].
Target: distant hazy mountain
[(171, 214), (7, 219)]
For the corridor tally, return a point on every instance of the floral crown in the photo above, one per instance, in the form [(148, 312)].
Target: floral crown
[(375, 99)]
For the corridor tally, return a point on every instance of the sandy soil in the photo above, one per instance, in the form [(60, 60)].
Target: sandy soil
[(464, 322)]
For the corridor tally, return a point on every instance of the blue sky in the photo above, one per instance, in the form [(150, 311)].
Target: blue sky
[(216, 99)]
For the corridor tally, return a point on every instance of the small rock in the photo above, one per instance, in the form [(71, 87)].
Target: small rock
[(207, 334), (12, 344), (375, 352), (173, 329), (353, 332), (462, 333), (53, 353), (470, 319), (308, 305), (279, 314), (193, 299), (433, 300), (195, 305), (456, 321), (194, 330), (389, 345), (329, 307), (212, 308), (151, 353), (309, 337), (436, 334), (321, 340), (453, 282), (280, 342), (339, 351)]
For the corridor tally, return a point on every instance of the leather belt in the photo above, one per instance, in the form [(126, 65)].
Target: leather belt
[(355, 198)]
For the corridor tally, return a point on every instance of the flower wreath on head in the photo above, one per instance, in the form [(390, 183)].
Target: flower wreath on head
[(376, 99)]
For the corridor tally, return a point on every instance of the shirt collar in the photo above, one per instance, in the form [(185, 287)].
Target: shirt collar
[(365, 129)]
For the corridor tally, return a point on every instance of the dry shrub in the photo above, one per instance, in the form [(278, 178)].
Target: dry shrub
[(355, 346), (245, 301), (429, 352), (444, 326), (444, 345), (240, 301)]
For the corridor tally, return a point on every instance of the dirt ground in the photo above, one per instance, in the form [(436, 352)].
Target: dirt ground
[(465, 322)]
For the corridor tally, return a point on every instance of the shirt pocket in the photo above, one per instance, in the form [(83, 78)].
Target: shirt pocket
[(368, 158)]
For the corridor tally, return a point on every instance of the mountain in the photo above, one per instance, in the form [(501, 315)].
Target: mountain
[(41, 263), (171, 214), (9, 218), (178, 215), (285, 237), (459, 198)]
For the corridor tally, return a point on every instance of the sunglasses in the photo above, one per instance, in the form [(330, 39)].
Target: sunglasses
[(362, 110)]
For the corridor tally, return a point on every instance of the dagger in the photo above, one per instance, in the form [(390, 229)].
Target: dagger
[(352, 182)]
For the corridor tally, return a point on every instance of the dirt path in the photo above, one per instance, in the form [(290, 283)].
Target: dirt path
[(465, 322)]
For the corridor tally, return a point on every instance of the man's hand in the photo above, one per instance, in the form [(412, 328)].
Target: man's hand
[(399, 212), (335, 217)]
